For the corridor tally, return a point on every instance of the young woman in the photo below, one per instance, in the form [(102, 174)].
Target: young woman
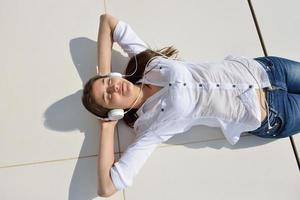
[(165, 96)]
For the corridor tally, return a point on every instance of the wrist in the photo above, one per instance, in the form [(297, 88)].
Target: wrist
[(107, 125)]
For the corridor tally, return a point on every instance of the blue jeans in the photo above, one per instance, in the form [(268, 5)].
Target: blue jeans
[(283, 98)]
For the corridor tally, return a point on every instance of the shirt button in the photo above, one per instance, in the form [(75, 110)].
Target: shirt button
[(200, 85), (233, 85), (162, 110), (218, 85), (170, 84), (250, 86), (160, 67), (184, 84)]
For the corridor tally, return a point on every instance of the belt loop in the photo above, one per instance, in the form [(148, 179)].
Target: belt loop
[(273, 110), (269, 61), (272, 88)]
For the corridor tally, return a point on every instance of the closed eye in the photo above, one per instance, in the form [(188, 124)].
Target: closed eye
[(108, 82), (105, 82)]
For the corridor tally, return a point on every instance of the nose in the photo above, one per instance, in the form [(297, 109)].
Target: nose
[(114, 88)]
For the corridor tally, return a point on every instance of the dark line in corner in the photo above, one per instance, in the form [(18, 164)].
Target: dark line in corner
[(295, 151), (266, 54), (257, 28)]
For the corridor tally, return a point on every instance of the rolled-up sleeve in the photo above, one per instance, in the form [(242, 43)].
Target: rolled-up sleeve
[(132, 160), (128, 40)]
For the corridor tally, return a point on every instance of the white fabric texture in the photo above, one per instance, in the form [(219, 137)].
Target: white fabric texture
[(216, 94)]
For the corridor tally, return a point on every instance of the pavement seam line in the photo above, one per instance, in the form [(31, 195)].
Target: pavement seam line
[(266, 54), (49, 161)]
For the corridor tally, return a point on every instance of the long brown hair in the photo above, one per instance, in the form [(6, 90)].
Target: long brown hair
[(143, 57)]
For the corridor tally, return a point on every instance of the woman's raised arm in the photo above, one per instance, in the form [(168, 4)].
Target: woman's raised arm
[(106, 158), (105, 42)]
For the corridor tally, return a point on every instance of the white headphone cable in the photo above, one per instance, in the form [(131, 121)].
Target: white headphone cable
[(142, 79), (136, 66)]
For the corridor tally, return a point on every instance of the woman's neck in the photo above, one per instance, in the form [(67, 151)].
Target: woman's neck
[(143, 96)]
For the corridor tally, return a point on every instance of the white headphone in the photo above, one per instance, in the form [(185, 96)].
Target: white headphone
[(116, 114)]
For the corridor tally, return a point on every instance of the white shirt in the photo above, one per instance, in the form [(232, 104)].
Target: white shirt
[(216, 94)]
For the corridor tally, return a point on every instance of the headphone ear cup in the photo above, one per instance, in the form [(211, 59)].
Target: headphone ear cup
[(117, 74), (116, 114)]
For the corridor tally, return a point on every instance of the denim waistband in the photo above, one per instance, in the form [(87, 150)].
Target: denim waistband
[(266, 64), (270, 99)]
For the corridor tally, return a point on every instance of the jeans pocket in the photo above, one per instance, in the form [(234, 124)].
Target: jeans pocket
[(276, 127), (276, 123)]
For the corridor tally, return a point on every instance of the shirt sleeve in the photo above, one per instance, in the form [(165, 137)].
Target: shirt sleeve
[(128, 39), (132, 160)]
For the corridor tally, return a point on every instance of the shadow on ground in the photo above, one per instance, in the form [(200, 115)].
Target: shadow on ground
[(68, 114)]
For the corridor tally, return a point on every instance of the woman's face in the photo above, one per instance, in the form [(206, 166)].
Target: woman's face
[(115, 92)]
